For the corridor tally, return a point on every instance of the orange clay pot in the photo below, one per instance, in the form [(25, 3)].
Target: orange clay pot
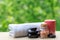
[(51, 25)]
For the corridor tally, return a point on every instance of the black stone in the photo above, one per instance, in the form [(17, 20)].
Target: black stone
[(51, 36), (32, 36)]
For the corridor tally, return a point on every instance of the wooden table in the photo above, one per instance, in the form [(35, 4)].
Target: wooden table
[(5, 36)]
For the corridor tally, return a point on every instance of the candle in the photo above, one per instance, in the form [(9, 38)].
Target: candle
[(51, 25)]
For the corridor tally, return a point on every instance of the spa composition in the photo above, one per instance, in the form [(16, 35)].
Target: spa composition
[(44, 29)]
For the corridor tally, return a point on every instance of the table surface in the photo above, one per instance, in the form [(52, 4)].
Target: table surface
[(5, 36)]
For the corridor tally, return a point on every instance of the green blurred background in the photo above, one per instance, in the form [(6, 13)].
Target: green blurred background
[(23, 11)]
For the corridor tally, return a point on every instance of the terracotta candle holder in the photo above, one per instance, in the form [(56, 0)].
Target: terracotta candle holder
[(44, 31)]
